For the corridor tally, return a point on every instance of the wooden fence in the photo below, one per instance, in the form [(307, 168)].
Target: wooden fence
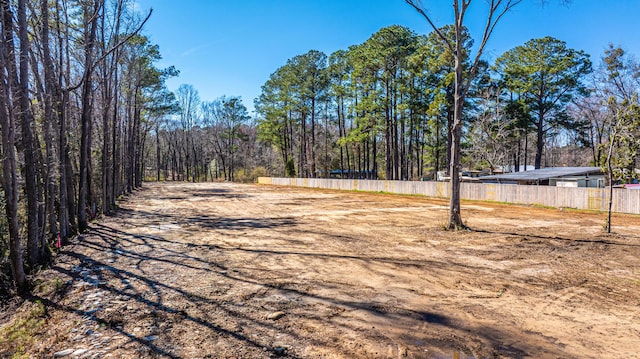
[(624, 200)]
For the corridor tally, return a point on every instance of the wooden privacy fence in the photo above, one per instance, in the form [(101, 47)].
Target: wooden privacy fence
[(624, 200)]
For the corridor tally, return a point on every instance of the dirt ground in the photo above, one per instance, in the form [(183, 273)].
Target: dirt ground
[(245, 271)]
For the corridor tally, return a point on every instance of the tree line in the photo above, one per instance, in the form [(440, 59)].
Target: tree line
[(385, 108), (205, 141)]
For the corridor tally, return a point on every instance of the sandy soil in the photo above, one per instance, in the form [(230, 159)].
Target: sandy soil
[(244, 271)]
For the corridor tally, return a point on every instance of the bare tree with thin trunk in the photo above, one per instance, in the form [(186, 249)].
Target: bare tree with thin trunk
[(19, 82), (497, 9), (49, 91), (9, 161), (620, 93)]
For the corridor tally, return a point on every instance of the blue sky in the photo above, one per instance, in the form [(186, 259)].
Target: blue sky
[(230, 47)]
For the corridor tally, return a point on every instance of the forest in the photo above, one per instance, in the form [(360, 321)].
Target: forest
[(86, 116), (78, 90)]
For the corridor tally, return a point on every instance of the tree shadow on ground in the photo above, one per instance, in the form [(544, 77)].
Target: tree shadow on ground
[(597, 240), (222, 193), (240, 224), (128, 253)]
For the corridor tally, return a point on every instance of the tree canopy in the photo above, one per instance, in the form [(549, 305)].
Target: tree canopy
[(545, 76)]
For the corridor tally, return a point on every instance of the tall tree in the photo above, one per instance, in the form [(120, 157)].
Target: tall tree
[(28, 140), (497, 9), (339, 70), (67, 207), (548, 76), (489, 132), (225, 118), (49, 90), (189, 102), (274, 125), (146, 99), (440, 64), (288, 105), (386, 52), (90, 16), (109, 35), (621, 95), (314, 89), (9, 157), (308, 83)]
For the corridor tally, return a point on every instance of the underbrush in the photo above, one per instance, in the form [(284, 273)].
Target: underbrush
[(5, 282), (17, 337), (23, 322)]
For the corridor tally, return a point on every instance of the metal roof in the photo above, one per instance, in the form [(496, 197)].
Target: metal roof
[(544, 174)]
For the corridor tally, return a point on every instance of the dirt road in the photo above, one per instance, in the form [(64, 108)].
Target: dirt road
[(244, 271)]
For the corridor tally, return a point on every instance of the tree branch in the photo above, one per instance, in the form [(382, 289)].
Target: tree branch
[(110, 51), (488, 30), (417, 5)]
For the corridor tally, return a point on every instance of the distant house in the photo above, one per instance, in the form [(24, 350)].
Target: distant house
[(552, 176), (521, 168)]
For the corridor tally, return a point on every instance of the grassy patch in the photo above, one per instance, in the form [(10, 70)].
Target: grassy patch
[(48, 287), (16, 338)]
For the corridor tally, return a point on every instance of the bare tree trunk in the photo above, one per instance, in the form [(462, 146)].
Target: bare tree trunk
[(397, 173), (135, 144), (85, 119), (612, 141), (49, 91), (106, 108), (65, 214), (158, 161), (455, 217), (131, 141), (387, 135), (540, 140), (313, 135), (106, 155), (497, 9), (9, 163), (610, 203), (10, 187), (26, 120), (115, 141)]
